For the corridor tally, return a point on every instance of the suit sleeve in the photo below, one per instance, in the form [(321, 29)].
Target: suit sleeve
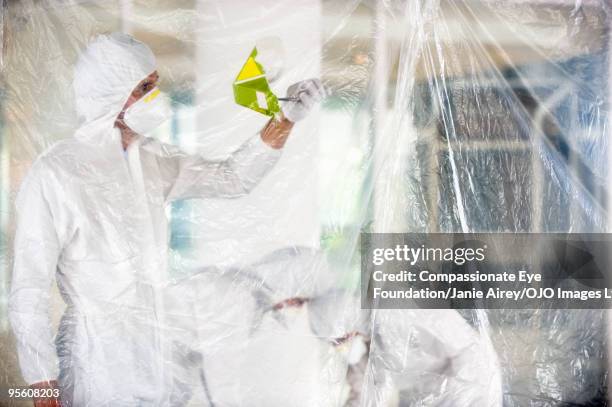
[(192, 176), (37, 250)]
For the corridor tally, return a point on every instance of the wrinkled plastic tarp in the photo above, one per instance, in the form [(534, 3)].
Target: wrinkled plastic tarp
[(444, 116)]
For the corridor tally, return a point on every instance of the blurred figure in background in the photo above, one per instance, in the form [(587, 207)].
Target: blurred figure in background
[(281, 331)]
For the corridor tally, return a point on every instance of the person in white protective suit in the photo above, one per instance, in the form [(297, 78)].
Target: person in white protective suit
[(414, 357), (91, 214), (285, 361), (337, 319), (255, 345), (281, 332), (252, 346), (211, 315), (430, 357)]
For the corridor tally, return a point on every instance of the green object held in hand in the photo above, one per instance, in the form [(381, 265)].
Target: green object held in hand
[(251, 88)]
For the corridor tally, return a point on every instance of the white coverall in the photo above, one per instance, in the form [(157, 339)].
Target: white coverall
[(433, 357), (95, 221), (255, 348)]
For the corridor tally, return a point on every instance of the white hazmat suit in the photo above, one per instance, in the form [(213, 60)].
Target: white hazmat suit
[(251, 330), (280, 332), (95, 221), (430, 357)]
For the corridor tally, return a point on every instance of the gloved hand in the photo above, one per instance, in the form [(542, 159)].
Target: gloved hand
[(308, 93)]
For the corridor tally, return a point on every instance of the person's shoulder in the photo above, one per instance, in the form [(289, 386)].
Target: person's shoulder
[(63, 152), (60, 147), (42, 163), (57, 164), (60, 157), (36, 176)]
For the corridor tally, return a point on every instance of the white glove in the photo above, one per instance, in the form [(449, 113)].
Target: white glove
[(308, 93)]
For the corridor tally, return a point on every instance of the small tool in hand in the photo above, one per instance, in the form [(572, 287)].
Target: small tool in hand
[(293, 99)]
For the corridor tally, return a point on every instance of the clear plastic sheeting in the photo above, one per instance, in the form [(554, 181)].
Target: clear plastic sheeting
[(205, 268)]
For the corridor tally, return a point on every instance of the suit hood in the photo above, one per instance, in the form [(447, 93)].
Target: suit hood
[(106, 73)]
